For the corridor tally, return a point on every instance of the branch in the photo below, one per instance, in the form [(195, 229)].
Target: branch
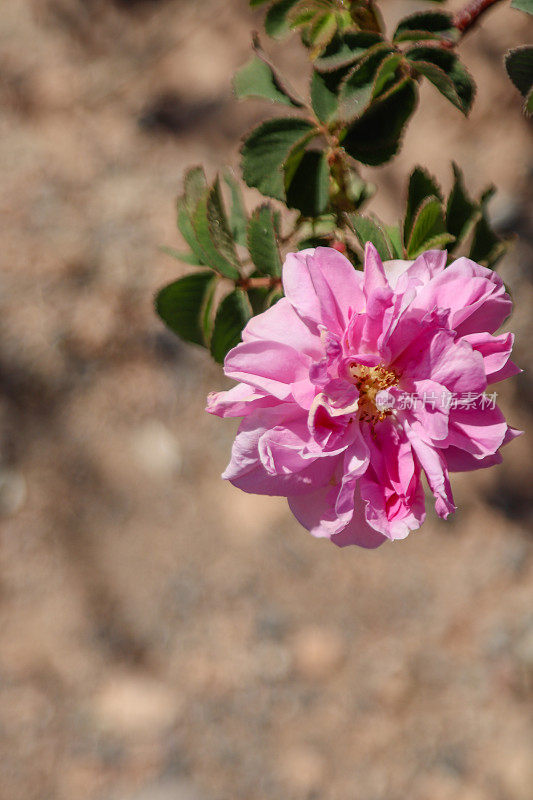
[(284, 85), (259, 283), (470, 14)]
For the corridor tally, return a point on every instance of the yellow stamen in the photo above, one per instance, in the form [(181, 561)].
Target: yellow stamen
[(370, 381)]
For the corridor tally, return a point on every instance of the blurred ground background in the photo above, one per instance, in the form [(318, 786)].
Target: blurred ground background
[(163, 636)]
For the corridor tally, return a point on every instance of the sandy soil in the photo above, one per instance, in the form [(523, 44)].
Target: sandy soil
[(163, 636)]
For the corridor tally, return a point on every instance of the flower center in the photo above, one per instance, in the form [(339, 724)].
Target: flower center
[(370, 381)]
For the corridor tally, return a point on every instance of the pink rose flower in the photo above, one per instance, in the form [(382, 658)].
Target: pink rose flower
[(355, 383)]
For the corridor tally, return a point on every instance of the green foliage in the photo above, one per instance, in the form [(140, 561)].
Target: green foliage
[(426, 25), (202, 222), (308, 183), (433, 222), (262, 241), (369, 229), (458, 222), (486, 246), (427, 225), (421, 185), (187, 306), (446, 73), (395, 238), (424, 212), (461, 210), (386, 73), (257, 79), (238, 219), (232, 315), (346, 49), (317, 20), (358, 88), (324, 94), (266, 150), (519, 66), (376, 136), (363, 91), (321, 31), (181, 304), (276, 20), (212, 233)]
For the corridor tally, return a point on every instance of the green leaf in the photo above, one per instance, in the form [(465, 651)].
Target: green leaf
[(267, 148), (438, 242), (444, 70), (180, 305), (324, 86), (232, 315), (357, 89), (280, 83), (187, 230), (461, 211), (368, 229), (386, 73), (307, 183), (322, 31), (257, 3), (345, 49), (258, 298), (276, 20), (523, 5), (425, 25), (257, 79), (238, 219), (298, 18), (213, 235), (219, 228), (194, 185), (208, 317), (421, 185), (487, 248), (376, 136), (395, 238), (519, 66), (263, 242), (186, 258), (427, 223)]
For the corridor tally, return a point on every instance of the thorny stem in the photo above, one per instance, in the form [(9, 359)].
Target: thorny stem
[(467, 17)]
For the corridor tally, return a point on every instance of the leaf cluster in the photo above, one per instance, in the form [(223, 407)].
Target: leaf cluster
[(457, 223), (363, 90), (241, 264)]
